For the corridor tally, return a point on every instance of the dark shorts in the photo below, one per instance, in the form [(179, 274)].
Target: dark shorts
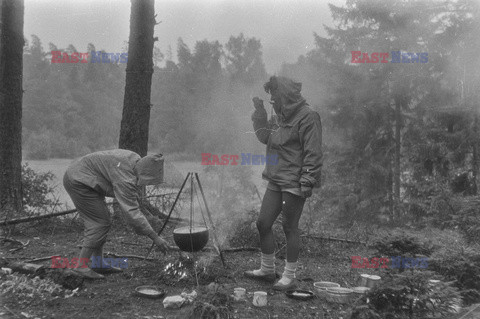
[(92, 209)]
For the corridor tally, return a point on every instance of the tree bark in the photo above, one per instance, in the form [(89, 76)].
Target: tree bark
[(136, 103), (11, 93), (398, 141), (475, 151)]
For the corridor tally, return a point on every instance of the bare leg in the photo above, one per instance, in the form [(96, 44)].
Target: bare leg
[(271, 208), (292, 210)]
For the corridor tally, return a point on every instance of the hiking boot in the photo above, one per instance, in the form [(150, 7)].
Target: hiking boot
[(279, 286)]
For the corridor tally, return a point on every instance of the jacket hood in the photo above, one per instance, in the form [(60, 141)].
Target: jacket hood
[(290, 92)]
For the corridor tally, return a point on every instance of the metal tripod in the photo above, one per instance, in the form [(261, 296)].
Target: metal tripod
[(216, 243)]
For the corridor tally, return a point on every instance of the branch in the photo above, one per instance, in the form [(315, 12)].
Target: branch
[(237, 249), (335, 239), (129, 256), (40, 259)]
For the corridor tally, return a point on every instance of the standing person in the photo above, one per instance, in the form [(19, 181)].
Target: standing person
[(115, 173), (294, 137)]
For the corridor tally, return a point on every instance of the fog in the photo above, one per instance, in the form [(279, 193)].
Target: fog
[(285, 27)]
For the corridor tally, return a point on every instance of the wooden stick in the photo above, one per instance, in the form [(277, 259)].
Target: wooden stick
[(12, 240), (335, 239), (33, 218), (39, 259), (65, 212), (23, 247), (469, 312), (13, 313), (130, 256), (237, 249)]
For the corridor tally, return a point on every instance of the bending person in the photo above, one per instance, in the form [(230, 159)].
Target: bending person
[(294, 138), (115, 173)]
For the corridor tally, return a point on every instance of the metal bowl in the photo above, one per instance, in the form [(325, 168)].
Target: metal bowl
[(152, 292), (191, 239), (339, 295), (300, 294), (321, 287)]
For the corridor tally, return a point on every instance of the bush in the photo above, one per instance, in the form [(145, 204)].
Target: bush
[(37, 192), (466, 217), (464, 270), (408, 296), (404, 246)]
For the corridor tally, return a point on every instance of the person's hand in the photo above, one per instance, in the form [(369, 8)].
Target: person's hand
[(258, 103), (306, 190), (162, 244)]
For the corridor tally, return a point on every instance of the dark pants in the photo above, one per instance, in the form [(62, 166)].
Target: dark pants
[(92, 209), (274, 203)]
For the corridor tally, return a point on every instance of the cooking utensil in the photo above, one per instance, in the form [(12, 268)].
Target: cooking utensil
[(152, 292), (260, 298), (300, 294), (191, 238), (239, 293), (321, 287), (339, 294), (362, 281), (360, 290), (373, 280)]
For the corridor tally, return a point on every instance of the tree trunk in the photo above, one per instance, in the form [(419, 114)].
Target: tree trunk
[(136, 103), (398, 141), (11, 92), (475, 151)]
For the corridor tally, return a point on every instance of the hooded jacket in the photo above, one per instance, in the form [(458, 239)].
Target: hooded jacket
[(112, 174), (294, 136)]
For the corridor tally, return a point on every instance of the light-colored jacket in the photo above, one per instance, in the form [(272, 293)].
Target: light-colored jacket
[(112, 174), (295, 138)]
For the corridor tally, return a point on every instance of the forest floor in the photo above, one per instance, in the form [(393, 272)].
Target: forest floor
[(115, 295)]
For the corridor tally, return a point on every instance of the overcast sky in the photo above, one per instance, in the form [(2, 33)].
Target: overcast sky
[(285, 27)]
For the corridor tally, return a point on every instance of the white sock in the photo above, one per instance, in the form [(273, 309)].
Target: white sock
[(288, 273), (267, 264)]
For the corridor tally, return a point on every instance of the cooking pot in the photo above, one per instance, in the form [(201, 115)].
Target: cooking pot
[(191, 238)]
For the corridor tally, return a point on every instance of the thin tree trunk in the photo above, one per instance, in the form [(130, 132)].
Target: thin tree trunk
[(389, 158), (11, 93), (136, 103), (398, 128), (475, 152)]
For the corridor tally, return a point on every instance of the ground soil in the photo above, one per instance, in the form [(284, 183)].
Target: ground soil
[(115, 296)]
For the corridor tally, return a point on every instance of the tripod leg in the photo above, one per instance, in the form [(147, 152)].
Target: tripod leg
[(216, 242), (169, 214)]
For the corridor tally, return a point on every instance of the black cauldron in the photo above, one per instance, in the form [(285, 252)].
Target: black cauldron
[(191, 239)]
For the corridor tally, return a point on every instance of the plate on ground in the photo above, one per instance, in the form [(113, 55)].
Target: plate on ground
[(300, 294), (150, 292)]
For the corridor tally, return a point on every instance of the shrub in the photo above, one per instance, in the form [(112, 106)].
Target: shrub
[(412, 295), (37, 189), (404, 246), (464, 270)]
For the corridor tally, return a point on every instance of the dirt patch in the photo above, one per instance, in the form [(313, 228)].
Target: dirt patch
[(178, 272)]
